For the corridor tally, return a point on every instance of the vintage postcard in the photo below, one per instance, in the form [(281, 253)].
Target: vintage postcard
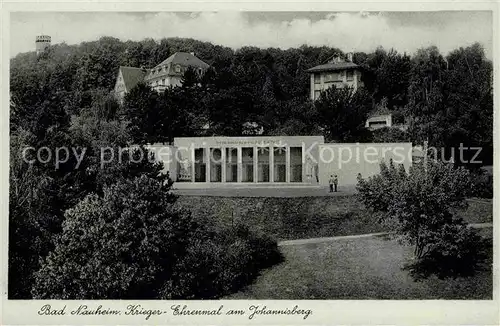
[(249, 163)]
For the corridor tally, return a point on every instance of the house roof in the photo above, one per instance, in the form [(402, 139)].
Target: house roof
[(378, 117), (334, 67), (184, 59), (132, 76)]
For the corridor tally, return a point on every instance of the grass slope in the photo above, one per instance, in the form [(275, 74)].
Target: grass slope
[(364, 268), (287, 218)]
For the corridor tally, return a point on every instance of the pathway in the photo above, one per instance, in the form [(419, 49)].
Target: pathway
[(270, 191), (357, 236)]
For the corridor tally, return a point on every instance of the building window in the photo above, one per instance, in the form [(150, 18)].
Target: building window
[(200, 165), (333, 77), (317, 94), (163, 81), (215, 165), (247, 164), (295, 164), (280, 164), (350, 75), (377, 124), (178, 69), (231, 165), (263, 164)]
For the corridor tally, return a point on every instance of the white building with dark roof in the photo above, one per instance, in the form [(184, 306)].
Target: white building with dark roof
[(336, 72), (127, 78), (167, 73), (171, 70)]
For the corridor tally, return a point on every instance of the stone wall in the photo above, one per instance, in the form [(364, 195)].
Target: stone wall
[(304, 217), (287, 218)]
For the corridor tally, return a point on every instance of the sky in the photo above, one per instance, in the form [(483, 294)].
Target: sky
[(349, 31)]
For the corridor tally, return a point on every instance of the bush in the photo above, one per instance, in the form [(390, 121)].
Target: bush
[(456, 250), (221, 263), (132, 243), (482, 185), (390, 135), (420, 207)]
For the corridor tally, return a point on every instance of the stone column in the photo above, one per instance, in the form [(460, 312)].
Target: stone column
[(239, 164), (271, 164), (312, 86), (255, 164), (207, 164), (287, 164), (193, 158), (223, 164), (355, 76), (303, 160)]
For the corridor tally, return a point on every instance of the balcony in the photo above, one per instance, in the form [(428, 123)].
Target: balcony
[(160, 88)]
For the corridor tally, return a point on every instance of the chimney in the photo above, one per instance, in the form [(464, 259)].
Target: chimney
[(349, 56), (334, 59)]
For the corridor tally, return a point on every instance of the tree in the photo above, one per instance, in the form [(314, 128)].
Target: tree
[(145, 114), (110, 152), (451, 102), (342, 113), (133, 243), (390, 135), (295, 117), (183, 109), (33, 215), (393, 78), (97, 67), (470, 101), (190, 78), (40, 192), (420, 205), (130, 237)]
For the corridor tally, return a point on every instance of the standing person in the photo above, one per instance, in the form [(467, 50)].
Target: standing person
[(335, 182), (331, 182), (170, 182)]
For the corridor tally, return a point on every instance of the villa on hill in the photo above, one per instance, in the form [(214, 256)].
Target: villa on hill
[(168, 73)]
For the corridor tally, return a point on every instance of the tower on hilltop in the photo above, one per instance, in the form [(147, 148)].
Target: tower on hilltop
[(42, 42)]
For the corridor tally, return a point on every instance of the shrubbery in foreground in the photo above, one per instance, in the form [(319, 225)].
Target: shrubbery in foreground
[(482, 185), (420, 205), (132, 243)]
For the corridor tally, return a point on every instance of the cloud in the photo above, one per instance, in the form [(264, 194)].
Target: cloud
[(347, 31)]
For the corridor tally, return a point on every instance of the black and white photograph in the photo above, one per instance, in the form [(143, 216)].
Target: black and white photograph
[(250, 155)]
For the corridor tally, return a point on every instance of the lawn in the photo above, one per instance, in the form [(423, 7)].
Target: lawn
[(478, 211), (287, 218), (363, 268)]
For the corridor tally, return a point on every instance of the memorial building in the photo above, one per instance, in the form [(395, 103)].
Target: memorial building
[(263, 161), (207, 162)]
